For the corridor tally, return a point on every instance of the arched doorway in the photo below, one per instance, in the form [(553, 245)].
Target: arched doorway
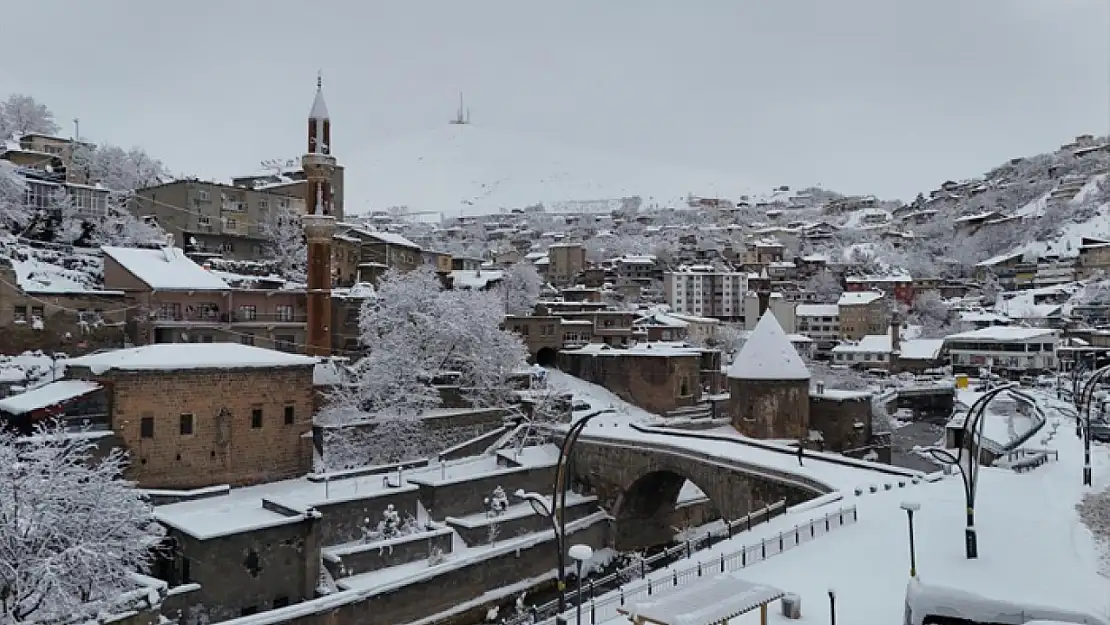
[(546, 357)]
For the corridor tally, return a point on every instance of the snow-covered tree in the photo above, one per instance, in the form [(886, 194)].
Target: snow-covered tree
[(497, 503), (932, 314), (13, 212), (825, 286), (521, 288), (420, 334), (22, 114), (285, 243), (390, 525), (71, 531), (118, 170)]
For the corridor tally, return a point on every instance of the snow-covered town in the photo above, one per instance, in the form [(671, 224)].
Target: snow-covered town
[(470, 376)]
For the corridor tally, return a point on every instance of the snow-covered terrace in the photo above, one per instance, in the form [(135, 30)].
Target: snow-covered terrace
[(241, 509), (1032, 547)]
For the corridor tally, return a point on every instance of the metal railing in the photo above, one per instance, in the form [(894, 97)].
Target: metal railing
[(614, 582), (603, 608)]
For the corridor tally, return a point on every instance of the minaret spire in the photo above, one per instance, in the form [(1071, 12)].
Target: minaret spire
[(319, 223)]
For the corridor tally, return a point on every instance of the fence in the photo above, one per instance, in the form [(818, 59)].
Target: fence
[(644, 566), (604, 608)]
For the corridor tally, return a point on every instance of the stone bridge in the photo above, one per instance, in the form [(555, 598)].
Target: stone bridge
[(639, 483)]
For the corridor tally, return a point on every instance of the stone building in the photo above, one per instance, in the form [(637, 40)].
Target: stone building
[(546, 335), (44, 316), (862, 313), (769, 385), (197, 415), (657, 377), (843, 419), (566, 261), (178, 301)]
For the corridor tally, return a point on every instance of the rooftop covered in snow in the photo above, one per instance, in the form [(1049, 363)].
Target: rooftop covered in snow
[(51, 394), (178, 356), (166, 269), (768, 355), (858, 298)]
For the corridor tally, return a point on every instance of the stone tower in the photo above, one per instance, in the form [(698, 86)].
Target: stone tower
[(319, 224), (769, 385)]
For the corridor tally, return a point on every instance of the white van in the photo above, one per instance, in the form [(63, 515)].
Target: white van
[(930, 604)]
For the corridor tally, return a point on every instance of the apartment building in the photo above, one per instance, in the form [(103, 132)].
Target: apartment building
[(48, 185), (1004, 350), (900, 287), (819, 322), (181, 302), (63, 148), (209, 218), (546, 335), (862, 313), (706, 291), (1094, 256), (289, 181), (640, 270), (565, 262), (381, 251)]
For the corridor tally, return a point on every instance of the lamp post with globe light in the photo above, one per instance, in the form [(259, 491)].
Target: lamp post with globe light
[(580, 554), (910, 507)]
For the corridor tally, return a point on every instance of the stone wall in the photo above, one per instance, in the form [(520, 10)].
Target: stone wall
[(450, 587), (222, 444), (249, 570), (657, 384), (775, 409), (475, 529), (462, 496), (356, 559), (343, 520), (835, 414)]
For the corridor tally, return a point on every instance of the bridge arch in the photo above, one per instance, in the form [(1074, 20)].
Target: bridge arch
[(645, 511)]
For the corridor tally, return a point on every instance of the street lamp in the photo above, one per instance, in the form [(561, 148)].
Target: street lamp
[(555, 510), (967, 461), (910, 507), (580, 554), (1083, 413), (832, 607)]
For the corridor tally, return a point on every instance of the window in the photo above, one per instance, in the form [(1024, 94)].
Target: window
[(284, 342), (256, 418), (146, 427), (248, 312), (285, 312), (186, 425), (246, 339), (20, 313), (204, 221), (231, 224), (202, 195), (290, 415), (37, 312), (263, 203)]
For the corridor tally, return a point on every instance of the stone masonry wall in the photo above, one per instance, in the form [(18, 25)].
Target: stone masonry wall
[(223, 446), (836, 419), (342, 520), (248, 569), (654, 383), (358, 559), (776, 409), (459, 498)]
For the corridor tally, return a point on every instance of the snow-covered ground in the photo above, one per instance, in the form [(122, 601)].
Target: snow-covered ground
[(1032, 546), (474, 170)]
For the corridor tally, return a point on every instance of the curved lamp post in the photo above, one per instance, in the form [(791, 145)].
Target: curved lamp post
[(967, 461), (1083, 415), (555, 510)]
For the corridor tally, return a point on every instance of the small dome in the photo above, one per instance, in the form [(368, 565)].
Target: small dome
[(768, 355)]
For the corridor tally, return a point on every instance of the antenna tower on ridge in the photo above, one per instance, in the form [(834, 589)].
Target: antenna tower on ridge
[(462, 116)]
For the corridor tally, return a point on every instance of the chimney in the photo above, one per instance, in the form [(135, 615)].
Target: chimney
[(820, 387)]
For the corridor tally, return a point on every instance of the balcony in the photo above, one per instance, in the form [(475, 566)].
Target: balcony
[(268, 318), (199, 316)]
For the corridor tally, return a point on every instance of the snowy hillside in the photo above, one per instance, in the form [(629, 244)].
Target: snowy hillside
[(473, 170)]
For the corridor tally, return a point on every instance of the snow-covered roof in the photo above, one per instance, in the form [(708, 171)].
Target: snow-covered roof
[(319, 108), (175, 356), (1001, 258), (817, 310), (921, 349), (166, 269), (1002, 334), (694, 318), (473, 279), (706, 603), (868, 344), (655, 348), (46, 396), (858, 298), (391, 238), (768, 355)]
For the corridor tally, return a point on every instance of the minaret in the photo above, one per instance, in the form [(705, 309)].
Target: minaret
[(319, 224)]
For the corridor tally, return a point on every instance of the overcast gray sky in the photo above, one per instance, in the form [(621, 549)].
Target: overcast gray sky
[(883, 96)]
